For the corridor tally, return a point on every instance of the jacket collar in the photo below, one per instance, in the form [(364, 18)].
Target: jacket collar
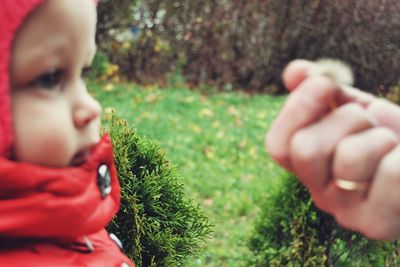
[(37, 201)]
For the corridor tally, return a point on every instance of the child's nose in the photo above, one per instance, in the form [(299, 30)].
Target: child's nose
[(87, 110)]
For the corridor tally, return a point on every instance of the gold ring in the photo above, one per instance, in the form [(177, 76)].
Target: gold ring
[(351, 185)]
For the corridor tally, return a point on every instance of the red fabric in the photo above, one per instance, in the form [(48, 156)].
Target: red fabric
[(105, 254), (58, 207), (39, 201)]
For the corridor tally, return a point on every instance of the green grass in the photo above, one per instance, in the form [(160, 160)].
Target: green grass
[(217, 143)]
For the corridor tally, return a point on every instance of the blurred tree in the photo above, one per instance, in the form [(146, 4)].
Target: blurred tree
[(248, 43), (113, 14)]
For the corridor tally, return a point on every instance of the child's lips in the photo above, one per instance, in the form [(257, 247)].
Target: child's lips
[(80, 157)]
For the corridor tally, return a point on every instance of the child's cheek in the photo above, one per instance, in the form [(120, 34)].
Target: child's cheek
[(43, 131), (49, 148)]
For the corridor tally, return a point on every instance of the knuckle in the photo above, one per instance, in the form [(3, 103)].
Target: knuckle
[(377, 105), (353, 108), (377, 229), (387, 135), (320, 202), (274, 150), (381, 223), (322, 205), (321, 80), (355, 112), (390, 168), (342, 221), (318, 86), (349, 218), (348, 150), (348, 154), (303, 147)]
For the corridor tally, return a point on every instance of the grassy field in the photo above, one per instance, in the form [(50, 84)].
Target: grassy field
[(216, 142)]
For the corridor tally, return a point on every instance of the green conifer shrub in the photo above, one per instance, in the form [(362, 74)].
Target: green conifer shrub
[(291, 231), (157, 224)]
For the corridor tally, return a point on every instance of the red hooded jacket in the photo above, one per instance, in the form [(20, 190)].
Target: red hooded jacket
[(52, 216)]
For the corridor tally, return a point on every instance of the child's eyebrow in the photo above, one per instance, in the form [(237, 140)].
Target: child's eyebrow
[(39, 56)]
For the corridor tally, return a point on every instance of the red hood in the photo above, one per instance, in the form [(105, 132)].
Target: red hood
[(12, 14), (38, 201)]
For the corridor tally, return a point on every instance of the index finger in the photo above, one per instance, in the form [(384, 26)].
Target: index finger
[(296, 72), (311, 100), (299, 70)]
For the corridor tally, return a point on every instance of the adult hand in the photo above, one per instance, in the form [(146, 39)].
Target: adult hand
[(356, 141)]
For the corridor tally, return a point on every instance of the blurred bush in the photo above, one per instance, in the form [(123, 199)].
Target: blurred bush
[(393, 94), (291, 231), (247, 43), (157, 224)]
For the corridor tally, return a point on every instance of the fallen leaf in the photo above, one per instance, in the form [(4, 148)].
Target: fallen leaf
[(151, 98), (253, 153), (216, 124), (188, 99), (209, 152), (233, 111), (243, 143), (205, 112), (195, 128), (208, 202), (109, 87)]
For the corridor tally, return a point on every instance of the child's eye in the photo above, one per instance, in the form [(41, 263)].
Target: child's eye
[(86, 72), (48, 80)]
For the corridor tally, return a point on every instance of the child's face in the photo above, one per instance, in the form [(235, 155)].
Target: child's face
[(55, 119)]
